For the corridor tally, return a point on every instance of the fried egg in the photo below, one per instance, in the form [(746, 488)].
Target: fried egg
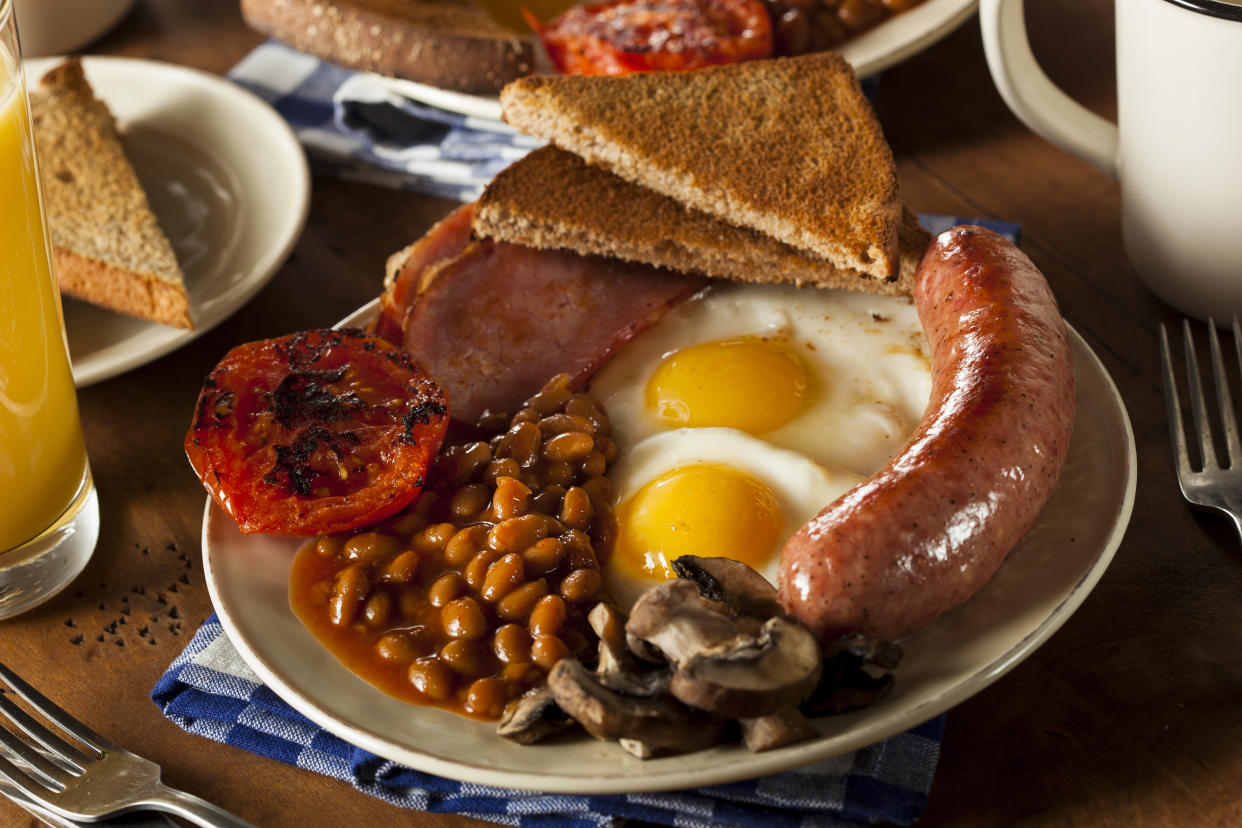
[(710, 492), (838, 376), (744, 412)]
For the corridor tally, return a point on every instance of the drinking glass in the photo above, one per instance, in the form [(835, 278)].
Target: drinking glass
[(49, 513)]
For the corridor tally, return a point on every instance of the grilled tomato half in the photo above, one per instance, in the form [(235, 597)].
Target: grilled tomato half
[(623, 36), (316, 432)]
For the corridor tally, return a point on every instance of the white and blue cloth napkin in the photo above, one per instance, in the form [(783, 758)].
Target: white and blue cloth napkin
[(209, 690), (354, 126)]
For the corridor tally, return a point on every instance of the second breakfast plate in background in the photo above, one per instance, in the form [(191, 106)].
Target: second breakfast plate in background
[(891, 42), (228, 181), (1038, 588)]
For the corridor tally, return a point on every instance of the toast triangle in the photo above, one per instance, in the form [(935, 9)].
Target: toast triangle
[(590, 211), (789, 147), (108, 245)]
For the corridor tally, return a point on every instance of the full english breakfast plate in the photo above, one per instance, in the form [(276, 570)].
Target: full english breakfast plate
[(1040, 585), (896, 39)]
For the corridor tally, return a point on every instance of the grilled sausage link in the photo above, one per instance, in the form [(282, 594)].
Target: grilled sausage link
[(924, 533)]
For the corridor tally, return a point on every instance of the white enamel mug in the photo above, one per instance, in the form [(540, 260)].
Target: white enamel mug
[(1177, 146)]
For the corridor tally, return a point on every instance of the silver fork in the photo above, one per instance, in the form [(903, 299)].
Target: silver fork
[(89, 778), (1217, 485)]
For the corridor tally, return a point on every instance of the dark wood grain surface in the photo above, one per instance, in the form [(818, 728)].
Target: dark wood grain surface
[(1130, 715)]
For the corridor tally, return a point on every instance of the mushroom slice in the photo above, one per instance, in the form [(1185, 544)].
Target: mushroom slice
[(680, 622), (731, 582), (636, 748), (643, 651), (753, 677), (845, 684), (784, 727), (532, 717), (609, 624), (864, 649), (618, 669), (658, 722)]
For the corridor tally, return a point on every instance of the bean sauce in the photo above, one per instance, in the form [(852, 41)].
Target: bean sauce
[(468, 598)]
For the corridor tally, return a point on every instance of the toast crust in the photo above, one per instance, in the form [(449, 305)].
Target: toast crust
[(593, 212), (452, 44), (120, 290), (108, 246), (789, 147)]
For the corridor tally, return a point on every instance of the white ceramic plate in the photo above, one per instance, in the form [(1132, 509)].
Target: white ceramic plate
[(889, 43), (1040, 585), (228, 181)]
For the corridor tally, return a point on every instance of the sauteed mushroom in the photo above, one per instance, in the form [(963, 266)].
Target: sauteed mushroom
[(533, 717), (709, 647), (657, 721), (730, 582), (752, 676), (782, 728)]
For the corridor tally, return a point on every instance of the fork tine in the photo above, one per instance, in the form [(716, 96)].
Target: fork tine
[(22, 781), (1177, 435), (1237, 339), (53, 774), (32, 727), (44, 706), (1198, 415), (1228, 421)]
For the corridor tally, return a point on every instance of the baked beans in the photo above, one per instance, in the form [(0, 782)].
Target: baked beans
[(470, 596), (800, 26)]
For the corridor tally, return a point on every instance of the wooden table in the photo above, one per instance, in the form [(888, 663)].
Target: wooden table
[(1130, 715)]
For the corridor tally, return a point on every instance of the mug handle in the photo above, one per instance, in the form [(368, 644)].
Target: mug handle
[(1037, 102)]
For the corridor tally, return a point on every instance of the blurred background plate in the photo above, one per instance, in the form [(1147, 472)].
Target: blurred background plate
[(873, 51), (228, 181)]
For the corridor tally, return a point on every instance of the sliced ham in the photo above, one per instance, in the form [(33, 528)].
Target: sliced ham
[(405, 269), (495, 323)]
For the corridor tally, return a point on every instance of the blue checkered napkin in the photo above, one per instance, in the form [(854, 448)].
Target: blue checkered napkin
[(353, 126), (209, 690)]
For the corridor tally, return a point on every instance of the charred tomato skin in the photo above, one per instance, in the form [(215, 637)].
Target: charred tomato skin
[(316, 432), (623, 36)]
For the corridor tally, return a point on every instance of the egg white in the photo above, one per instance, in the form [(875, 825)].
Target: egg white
[(802, 486)]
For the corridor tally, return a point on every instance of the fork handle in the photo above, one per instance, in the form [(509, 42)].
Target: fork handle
[(196, 810)]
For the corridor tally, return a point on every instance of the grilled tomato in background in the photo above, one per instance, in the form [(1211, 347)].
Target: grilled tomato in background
[(623, 36), (315, 432)]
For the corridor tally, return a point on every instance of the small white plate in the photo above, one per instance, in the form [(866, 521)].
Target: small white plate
[(891, 42), (1040, 585), (228, 181)]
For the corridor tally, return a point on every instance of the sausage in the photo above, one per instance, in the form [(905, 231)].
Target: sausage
[(928, 530)]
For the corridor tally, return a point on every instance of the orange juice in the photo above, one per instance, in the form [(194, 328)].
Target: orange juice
[(42, 456)]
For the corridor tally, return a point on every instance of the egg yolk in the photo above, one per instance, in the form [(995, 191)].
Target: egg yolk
[(707, 510), (747, 383)]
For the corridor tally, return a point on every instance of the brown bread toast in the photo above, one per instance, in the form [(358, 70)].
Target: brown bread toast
[(108, 245), (452, 44), (789, 147), (553, 199)]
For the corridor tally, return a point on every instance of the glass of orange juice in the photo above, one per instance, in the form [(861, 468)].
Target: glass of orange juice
[(49, 514)]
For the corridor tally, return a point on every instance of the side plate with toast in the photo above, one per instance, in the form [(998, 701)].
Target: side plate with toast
[(226, 178)]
